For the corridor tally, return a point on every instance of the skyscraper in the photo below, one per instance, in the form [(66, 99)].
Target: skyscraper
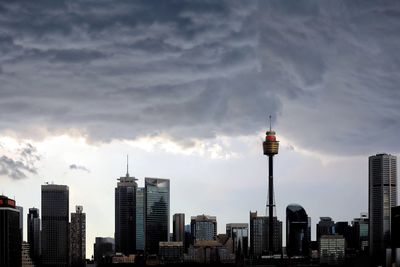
[(360, 226), (78, 237), (203, 227), (239, 232), (33, 224), (157, 204), (178, 231), (125, 214), (270, 148), (382, 197), (10, 234), (55, 215), (297, 242), (103, 250), (140, 219), (21, 221), (325, 226)]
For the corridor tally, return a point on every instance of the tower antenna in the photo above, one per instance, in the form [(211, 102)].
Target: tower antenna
[(127, 165), (270, 125)]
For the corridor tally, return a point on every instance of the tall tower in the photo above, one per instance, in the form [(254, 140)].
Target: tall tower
[(78, 238), (270, 147), (55, 217), (33, 223), (125, 214), (382, 197)]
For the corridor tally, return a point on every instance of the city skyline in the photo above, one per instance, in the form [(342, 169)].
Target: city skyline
[(186, 89)]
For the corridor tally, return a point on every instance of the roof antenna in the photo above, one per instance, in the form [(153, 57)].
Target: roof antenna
[(127, 165), (270, 127)]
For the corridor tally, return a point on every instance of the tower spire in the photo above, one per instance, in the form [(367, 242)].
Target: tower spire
[(270, 124), (127, 165)]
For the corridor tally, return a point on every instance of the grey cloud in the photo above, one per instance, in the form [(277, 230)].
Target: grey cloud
[(78, 168), (326, 71)]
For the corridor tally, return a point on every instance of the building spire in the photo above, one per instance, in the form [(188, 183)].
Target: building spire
[(127, 165), (270, 124)]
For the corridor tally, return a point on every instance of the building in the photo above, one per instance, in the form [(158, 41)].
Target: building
[(259, 235), (78, 237), (360, 228), (347, 231), (21, 221), (140, 219), (239, 232), (209, 252), (395, 234), (33, 225), (157, 205), (178, 227), (332, 249), (125, 214), (104, 249), (325, 226), (26, 260), (297, 227), (171, 252), (382, 197), (55, 217), (10, 237), (203, 227)]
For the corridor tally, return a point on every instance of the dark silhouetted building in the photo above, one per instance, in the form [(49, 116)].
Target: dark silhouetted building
[(157, 201), (325, 226), (178, 227), (55, 217), (382, 197), (239, 232), (78, 237), (33, 224), (347, 231), (104, 249), (10, 234), (203, 227), (259, 235), (297, 227), (140, 219), (395, 234), (360, 228), (125, 215)]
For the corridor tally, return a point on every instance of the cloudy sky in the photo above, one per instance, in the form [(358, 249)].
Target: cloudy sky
[(185, 88)]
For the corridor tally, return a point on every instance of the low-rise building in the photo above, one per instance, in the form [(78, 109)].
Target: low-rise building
[(171, 252), (332, 249)]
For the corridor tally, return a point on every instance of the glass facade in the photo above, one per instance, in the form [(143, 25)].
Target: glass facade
[(140, 219), (55, 218), (382, 197), (297, 241), (125, 215), (239, 232), (157, 205), (33, 223)]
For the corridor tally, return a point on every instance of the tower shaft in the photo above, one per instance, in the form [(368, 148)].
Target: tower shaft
[(271, 204)]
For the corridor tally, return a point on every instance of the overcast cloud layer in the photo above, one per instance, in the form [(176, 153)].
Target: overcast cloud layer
[(327, 71)]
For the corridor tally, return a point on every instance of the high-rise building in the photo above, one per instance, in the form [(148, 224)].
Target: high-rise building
[(33, 224), (203, 227), (10, 234), (239, 232), (125, 214), (332, 249), (55, 217), (259, 235), (297, 242), (347, 231), (157, 204), (382, 197), (395, 234), (26, 260), (325, 226), (178, 227), (140, 219), (78, 237), (270, 148), (21, 221), (360, 227), (104, 249)]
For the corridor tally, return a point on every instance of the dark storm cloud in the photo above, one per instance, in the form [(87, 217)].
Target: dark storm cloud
[(327, 70), (18, 168), (78, 168)]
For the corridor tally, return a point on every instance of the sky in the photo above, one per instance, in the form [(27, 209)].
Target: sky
[(185, 89)]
